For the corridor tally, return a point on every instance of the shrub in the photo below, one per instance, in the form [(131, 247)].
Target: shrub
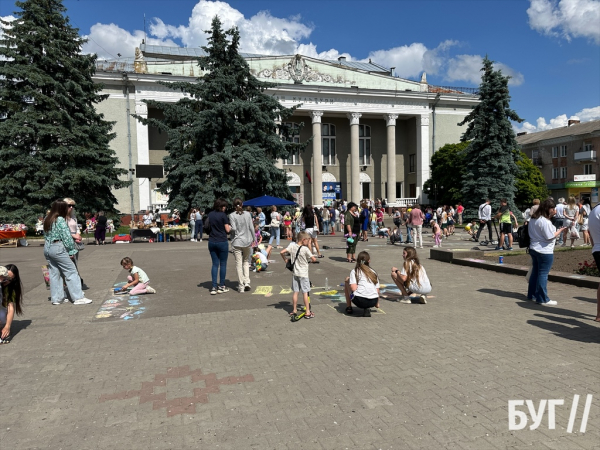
[(586, 268)]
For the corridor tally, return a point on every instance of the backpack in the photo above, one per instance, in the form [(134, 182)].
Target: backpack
[(523, 234)]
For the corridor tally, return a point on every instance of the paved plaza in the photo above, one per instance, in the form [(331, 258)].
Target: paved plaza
[(181, 369)]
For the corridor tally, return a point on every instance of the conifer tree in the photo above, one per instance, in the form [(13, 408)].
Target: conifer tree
[(223, 139), (53, 143), (492, 155)]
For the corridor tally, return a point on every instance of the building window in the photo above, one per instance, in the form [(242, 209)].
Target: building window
[(412, 163), (563, 151), (364, 145), (563, 172), (555, 173), (587, 169), (398, 189), (328, 144), (292, 134), (412, 190), (588, 147), (555, 152)]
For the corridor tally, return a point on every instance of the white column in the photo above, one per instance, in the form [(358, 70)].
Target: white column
[(355, 194), (143, 155), (317, 175), (423, 157), (390, 120)]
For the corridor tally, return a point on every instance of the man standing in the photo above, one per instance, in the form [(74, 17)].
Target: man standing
[(594, 229), (459, 210), (485, 218), (416, 222)]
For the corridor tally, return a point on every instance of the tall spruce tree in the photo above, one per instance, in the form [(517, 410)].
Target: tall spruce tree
[(492, 155), (53, 143), (222, 139)]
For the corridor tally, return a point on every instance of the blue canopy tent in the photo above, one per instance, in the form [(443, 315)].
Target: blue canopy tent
[(267, 200)]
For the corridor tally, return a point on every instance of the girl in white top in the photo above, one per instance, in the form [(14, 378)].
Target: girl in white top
[(585, 212), (412, 278), (362, 286), (138, 279), (571, 213)]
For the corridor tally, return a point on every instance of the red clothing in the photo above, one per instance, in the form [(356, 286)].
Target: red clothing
[(460, 209), (416, 217)]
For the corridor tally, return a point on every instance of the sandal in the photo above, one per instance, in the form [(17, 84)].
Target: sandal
[(349, 310), (320, 256), (310, 315), (348, 260), (292, 313), (353, 260)]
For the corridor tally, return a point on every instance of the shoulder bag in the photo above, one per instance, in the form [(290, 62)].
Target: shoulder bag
[(289, 265)]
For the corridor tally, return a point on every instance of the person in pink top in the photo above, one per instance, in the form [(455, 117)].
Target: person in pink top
[(416, 222), (459, 210)]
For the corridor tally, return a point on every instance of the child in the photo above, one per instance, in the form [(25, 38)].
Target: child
[(412, 278), (300, 256), (362, 286), (11, 299), (383, 233), (138, 279), (437, 233), (260, 258), (287, 224)]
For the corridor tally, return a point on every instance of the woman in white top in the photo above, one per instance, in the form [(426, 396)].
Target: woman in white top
[(362, 286), (571, 213), (243, 237), (412, 278), (585, 212), (543, 235)]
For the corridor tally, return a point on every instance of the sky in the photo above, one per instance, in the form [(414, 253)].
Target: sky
[(550, 48)]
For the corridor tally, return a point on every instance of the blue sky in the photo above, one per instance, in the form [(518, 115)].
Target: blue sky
[(551, 48)]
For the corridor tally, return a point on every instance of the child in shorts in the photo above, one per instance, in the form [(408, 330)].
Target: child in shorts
[(300, 256)]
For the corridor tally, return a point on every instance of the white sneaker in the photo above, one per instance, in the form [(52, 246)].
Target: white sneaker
[(436, 246), (60, 302), (404, 299), (150, 290), (192, 240), (240, 289), (222, 289), (549, 303), (82, 301), (200, 240), (422, 299), (421, 246)]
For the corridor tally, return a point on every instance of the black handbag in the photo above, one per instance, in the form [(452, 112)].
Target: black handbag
[(289, 265)]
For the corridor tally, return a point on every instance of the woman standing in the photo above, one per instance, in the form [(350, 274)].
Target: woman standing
[(275, 229), (543, 235), (571, 213), (217, 245), (364, 221), (59, 250), (584, 211), (100, 232), (243, 229), (312, 227)]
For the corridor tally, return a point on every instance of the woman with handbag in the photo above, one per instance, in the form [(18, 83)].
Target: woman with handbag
[(571, 213), (74, 229), (275, 226), (59, 250)]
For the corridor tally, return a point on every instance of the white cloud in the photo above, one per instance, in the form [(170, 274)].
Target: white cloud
[(2, 26), (585, 115), (269, 35), (107, 40), (566, 18)]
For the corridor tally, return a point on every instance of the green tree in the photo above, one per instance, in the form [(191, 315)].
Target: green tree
[(530, 183), (447, 170), (223, 138), (490, 158), (53, 143)]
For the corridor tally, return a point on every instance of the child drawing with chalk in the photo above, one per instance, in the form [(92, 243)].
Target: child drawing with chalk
[(138, 279)]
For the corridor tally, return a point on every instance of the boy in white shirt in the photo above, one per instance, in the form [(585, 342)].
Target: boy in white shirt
[(300, 256)]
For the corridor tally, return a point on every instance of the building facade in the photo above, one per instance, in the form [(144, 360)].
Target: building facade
[(372, 133), (567, 158)]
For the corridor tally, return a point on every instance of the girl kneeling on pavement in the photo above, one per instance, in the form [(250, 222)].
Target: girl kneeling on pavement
[(138, 279), (362, 286), (412, 278)]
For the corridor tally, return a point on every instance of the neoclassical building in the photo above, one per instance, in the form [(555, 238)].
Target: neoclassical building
[(373, 133)]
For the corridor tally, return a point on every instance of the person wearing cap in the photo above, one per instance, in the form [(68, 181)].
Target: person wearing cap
[(175, 218)]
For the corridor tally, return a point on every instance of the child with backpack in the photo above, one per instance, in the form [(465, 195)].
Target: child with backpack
[(299, 256)]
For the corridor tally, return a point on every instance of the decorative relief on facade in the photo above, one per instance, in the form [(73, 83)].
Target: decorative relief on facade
[(141, 109), (364, 178), (328, 177), (293, 179), (139, 64), (354, 118), (316, 116), (424, 121), (390, 119), (299, 71)]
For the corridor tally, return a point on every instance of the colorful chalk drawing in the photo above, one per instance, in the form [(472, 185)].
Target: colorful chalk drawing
[(125, 307), (285, 290), (263, 290)]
